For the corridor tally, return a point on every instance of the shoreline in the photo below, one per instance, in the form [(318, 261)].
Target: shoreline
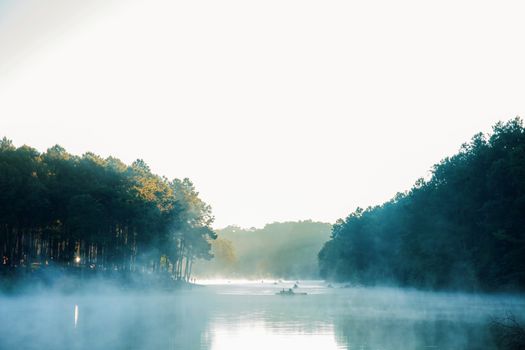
[(69, 280)]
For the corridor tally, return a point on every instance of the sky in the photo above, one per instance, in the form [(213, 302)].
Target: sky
[(277, 110)]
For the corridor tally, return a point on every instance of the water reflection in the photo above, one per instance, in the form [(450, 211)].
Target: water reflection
[(250, 316), (76, 315), (262, 336)]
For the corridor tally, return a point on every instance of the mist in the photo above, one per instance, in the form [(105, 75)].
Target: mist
[(238, 315), (98, 254), (268, 175), (279, 250)]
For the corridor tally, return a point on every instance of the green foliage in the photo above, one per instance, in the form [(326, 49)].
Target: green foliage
[(279, 250), (56, 207), (463, 228)]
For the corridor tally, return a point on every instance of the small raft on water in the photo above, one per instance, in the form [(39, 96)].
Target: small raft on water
[(289, 292)]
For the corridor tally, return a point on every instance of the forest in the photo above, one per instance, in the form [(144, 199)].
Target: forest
[(463, 228), (85, 212), (285, 250)]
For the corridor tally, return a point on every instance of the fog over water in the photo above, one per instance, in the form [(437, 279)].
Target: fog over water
[(248, 315)]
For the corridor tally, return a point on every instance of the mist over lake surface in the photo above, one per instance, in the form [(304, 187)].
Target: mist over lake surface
[(248, 315)]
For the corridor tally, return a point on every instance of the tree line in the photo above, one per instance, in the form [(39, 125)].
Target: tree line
[(65, 210), (278, 250), (464, 228)]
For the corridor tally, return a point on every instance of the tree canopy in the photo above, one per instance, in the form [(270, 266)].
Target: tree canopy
[(463, 228), (58, 208)]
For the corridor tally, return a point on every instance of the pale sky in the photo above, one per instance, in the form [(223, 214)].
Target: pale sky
[(277, 109)]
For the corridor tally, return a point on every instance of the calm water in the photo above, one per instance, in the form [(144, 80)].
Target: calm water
[(248, 315)]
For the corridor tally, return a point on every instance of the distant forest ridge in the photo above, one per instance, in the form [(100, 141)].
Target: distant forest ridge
[(464, 228), (278, 250), (58, 209)]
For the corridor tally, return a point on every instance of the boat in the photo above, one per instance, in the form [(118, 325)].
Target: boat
[(289, 292)]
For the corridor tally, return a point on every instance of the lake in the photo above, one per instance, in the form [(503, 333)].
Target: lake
[(249, 315)]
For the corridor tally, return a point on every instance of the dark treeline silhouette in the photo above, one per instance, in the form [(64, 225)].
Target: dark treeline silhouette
[(464, 228), (57, 209)]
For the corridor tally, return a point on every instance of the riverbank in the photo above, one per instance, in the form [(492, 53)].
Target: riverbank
[(73, 279)]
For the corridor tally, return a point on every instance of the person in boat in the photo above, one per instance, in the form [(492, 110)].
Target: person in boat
[(289, 292), (286, 292)]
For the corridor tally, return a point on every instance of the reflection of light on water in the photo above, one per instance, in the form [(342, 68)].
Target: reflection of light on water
[(76, 315), (260, 337)]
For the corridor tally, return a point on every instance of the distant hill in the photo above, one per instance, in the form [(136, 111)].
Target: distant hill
[(280, 250)]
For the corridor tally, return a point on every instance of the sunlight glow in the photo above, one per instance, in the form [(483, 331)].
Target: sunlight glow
[(348, 101), (259, 337)]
